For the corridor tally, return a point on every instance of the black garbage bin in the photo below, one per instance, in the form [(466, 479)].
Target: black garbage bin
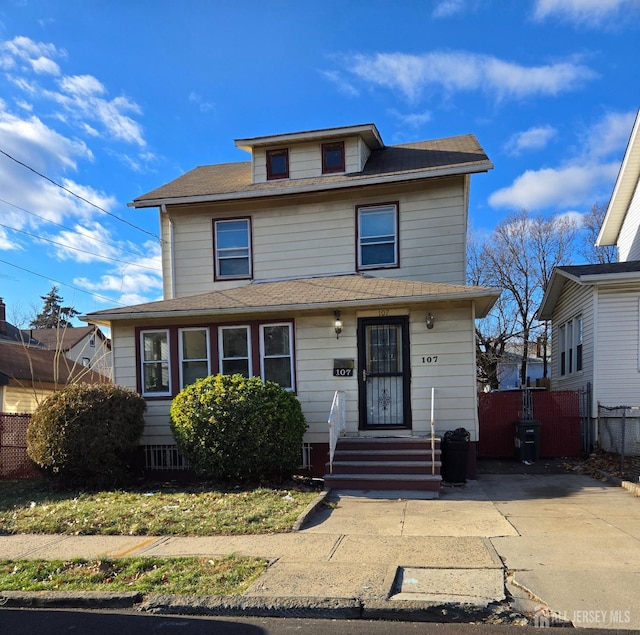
[(455, 448), (527, 440)]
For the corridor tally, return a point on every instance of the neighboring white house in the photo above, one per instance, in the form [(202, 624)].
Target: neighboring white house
[(595, 309), (328, 262)]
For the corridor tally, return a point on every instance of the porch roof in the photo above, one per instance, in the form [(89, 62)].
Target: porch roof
[(304, 294)]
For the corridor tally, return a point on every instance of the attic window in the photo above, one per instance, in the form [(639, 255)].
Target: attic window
[(333, 157), (278, 164)]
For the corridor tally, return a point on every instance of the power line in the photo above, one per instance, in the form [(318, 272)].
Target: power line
[(64, 284), (83, 251), (75, 231), (66, 189)]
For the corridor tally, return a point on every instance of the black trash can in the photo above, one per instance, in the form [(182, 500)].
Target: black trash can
[(527, 440), (455, 449)]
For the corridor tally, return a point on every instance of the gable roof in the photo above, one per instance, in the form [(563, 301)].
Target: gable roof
[(25, 365), (406, 162), (303, 294), (609, 273), (63, 339), (623, 190)]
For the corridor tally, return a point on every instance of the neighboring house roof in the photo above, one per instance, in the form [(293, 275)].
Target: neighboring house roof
[(612, 273), (64, 339), (411, 161), (25, 365), (311, 293), (623, 190)]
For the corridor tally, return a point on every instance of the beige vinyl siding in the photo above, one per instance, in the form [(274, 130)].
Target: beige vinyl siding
[(629, 238), (166, 255), (316, 236), (453, 376), (305, 159), (576, 300), (617, 352), (19, 399)]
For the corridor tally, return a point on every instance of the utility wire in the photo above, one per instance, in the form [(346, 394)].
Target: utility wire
[(62, 187), (83, 251), (64, 284), (75, 231)]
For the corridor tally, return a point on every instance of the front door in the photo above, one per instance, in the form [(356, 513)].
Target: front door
[(383, 368)]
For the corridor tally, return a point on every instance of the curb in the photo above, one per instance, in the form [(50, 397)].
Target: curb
[(70, 599), (310, 510)]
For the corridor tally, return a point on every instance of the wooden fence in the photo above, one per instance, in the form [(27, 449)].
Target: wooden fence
[(557, 411)]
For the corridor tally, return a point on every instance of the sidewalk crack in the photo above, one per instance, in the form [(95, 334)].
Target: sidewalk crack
[(336, 544)]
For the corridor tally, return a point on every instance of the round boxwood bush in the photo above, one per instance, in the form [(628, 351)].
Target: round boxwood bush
[(86, 432), (231, 428)]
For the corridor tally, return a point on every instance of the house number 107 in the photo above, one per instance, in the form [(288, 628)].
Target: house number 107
[(431, 359)]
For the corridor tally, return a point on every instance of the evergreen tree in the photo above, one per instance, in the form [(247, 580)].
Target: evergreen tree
[(53, 314)]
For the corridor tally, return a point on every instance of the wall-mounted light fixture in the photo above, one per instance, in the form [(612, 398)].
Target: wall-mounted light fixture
[(337, 326), (429, 320)]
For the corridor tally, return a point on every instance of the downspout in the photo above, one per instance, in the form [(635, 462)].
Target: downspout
[(172, 263)]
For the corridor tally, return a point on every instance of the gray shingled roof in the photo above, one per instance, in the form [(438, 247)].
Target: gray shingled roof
[(578, 271), (452, 155), (304, 294)]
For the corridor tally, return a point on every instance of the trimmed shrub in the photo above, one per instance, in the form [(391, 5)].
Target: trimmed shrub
[(232, 428), (86, 431)]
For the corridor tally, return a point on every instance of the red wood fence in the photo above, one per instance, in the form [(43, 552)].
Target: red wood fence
[(557, 411)]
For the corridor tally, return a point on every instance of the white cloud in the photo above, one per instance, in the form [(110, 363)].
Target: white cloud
[(534, 138), (341, 83), (566, 186), (447, 8), (413, 120), (611, 134), (587, 12), (81, 85), (45, 65), (203, 106), (461, 71)]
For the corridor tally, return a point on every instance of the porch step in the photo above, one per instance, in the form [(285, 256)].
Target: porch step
[(385, 464)]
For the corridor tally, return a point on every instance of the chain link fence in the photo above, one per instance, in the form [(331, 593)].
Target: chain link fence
[(14, 462), (619, 433)]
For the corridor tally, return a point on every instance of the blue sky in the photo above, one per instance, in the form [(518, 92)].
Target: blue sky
[(113, 98)]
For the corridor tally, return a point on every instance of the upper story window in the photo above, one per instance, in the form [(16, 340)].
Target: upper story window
[(155, 362), (232, 248), (333, 157), (377, 236), (278, 164), (194, 355)]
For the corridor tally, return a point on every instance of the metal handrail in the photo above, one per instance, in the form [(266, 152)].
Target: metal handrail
[(337, 424)]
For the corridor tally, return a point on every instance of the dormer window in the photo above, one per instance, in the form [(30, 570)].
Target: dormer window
[(277, 164), (333, 157)]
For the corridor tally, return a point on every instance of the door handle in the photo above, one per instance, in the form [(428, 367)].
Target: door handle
[(364, 374)]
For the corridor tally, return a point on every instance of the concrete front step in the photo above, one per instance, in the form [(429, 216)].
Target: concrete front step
[(387, 482), (384, 467), (386, 464)]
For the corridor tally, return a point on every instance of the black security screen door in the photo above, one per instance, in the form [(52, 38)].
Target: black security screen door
[(383, 367)]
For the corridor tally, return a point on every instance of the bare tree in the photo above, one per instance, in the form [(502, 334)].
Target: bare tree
[(519, 257), (591, 224)]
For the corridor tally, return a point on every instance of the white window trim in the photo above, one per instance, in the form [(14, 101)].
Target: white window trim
[(396, 249), (221, 357), (568, 343), (219, 275), (181, 358), (289, 325), (145, 393)]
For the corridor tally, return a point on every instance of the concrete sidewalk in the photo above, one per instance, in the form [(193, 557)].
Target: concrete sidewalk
[(567, 546)]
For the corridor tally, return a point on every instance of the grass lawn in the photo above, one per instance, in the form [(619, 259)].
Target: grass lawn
[(158, 510), (184, 576), (166, 510)]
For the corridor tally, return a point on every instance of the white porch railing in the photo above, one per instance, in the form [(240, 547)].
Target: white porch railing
[(337, 424), (433, 436)]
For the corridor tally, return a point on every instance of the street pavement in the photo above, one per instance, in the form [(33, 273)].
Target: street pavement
[(542, 549)]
